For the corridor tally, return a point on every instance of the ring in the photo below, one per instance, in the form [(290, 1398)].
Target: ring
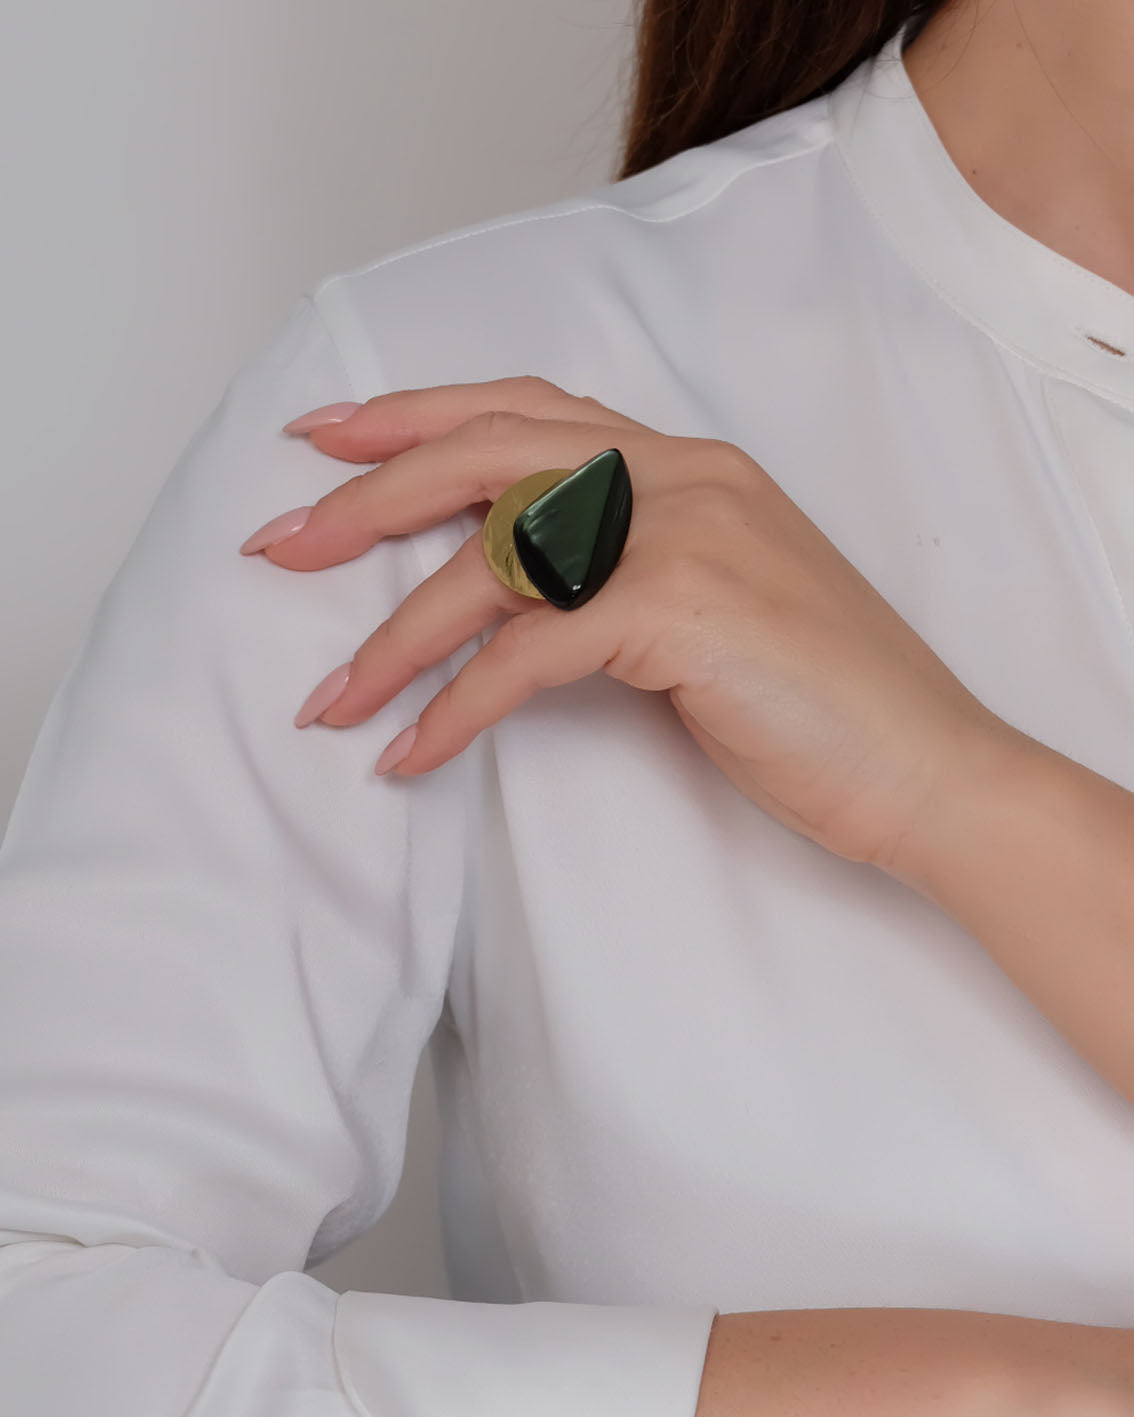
[(557, 534)]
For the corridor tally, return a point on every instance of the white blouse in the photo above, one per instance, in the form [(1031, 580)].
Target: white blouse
[(688, 1061)]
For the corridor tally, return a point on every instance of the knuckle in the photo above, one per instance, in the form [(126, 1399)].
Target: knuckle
[(535, 385), (688, 575), (382, 648), (495, 427), (711, 502), (518, 630), (595, 405), (523, 644), (536, 395), (349, 494), (386, 642), (692, 575), (730, 463), (444, 702)]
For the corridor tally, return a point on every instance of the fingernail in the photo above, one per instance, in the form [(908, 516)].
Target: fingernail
[(278, 529), (323, 695), (396, 750), (320, 417)]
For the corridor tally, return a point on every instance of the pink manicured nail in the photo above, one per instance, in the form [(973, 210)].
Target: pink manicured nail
[(396, 750), (320, 417), (278, 529), (323, 695)]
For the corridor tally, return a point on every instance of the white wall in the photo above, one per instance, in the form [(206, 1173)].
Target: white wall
[(172, 174)]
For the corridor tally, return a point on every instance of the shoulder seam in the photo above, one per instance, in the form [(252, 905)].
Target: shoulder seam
[(350, 374), (502, 223), (312, 298)]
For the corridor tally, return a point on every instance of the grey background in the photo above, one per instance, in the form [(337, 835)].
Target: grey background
[(174, 175)]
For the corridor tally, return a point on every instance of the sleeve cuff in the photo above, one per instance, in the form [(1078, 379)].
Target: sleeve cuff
[(405, 1356)]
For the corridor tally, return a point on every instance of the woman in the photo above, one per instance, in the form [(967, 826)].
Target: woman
[(780, 1020)]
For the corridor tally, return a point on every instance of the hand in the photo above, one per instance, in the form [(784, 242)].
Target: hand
[(792, 674)]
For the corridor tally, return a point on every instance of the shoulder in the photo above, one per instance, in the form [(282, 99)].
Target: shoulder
[(616, 242), (677, 188)]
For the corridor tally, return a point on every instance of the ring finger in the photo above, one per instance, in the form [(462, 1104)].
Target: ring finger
[(459, 600)]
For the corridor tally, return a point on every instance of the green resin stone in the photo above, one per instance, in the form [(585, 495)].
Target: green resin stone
[(569, 540)]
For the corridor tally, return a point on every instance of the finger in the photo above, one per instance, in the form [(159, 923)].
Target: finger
[(392, 422), (527, 653), (440, 614), (472, 463)]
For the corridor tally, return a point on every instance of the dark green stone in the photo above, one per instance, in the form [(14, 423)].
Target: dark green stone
[(569, 540)]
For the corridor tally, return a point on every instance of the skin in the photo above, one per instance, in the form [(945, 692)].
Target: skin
[(1031, 98), (1034, 101), (792, 674)]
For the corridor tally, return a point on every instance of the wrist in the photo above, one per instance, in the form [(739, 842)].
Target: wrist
[(985, 769)]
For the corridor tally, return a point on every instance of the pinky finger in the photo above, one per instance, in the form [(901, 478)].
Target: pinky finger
[(533, 650)]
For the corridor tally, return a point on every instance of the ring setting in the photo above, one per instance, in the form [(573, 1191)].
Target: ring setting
[(557, 534)]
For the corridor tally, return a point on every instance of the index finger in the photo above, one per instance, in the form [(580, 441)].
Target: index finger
[(471, 465), (392, 422)]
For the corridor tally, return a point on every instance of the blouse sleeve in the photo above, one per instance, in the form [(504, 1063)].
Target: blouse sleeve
[(224, 944)]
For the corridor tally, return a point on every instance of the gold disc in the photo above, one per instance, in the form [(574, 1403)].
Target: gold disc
[(499, 543)]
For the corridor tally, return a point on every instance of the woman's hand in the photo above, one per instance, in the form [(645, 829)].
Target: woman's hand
[(792, 674)]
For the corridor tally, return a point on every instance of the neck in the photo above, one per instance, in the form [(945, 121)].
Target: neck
[(1034, 102)]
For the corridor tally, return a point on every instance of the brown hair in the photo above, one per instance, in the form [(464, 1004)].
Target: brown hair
[(705, 68)]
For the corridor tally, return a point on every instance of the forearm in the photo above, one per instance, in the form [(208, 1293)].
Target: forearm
[(1033, 855), (913, 1363)]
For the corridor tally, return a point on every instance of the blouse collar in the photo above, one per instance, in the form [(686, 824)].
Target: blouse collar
[(1021, 292)]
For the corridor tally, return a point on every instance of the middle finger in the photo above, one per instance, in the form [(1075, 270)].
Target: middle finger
[(460, 599)]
